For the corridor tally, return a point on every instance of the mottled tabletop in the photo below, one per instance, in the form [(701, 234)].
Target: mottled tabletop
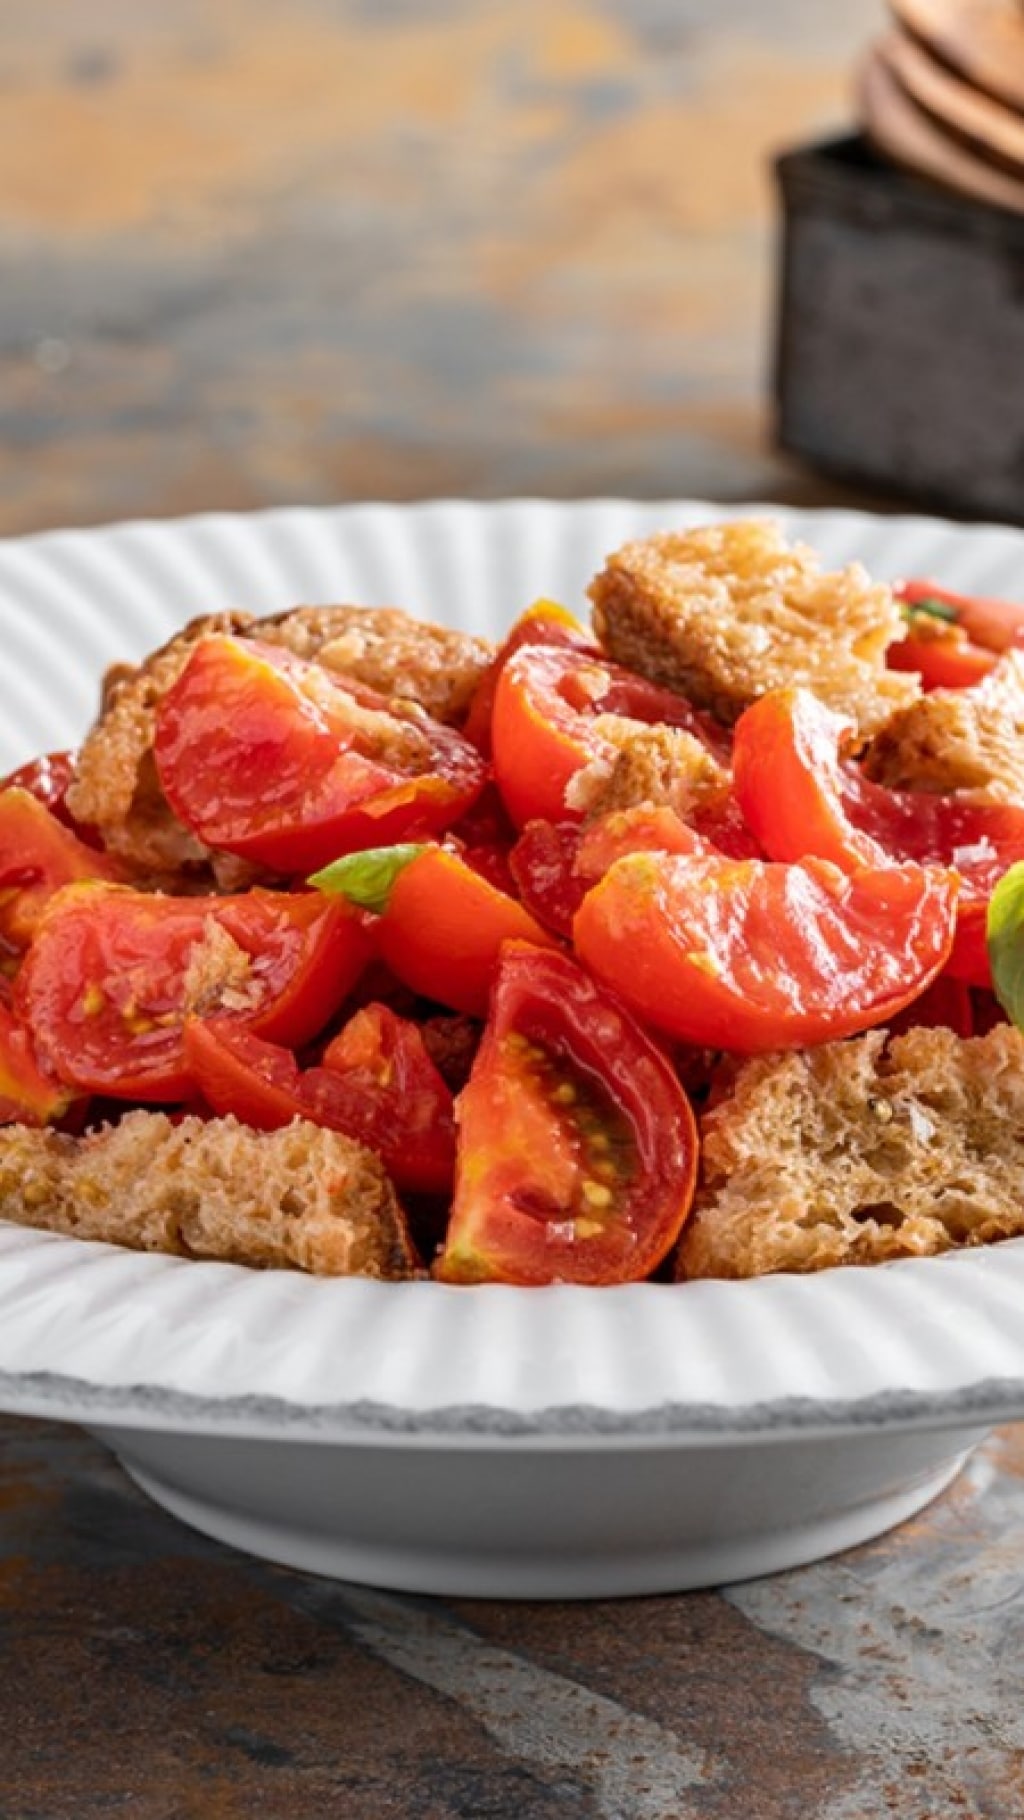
[(255, 254)]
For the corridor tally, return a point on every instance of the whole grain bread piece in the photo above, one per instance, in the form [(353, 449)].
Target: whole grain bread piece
[(860, 1151), (967, 741), (300, 1198), (726, 612), (116, 787), (658, 765)]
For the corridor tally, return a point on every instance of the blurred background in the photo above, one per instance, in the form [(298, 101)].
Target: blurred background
[(258, 253)]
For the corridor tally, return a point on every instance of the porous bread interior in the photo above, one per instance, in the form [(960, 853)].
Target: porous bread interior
[(726, 612), (860, 1151), (303, 1197)]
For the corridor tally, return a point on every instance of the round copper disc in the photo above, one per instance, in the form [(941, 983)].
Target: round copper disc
[(980, 124)]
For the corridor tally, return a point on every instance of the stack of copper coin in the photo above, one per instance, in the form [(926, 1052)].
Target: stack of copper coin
[(942, 94)]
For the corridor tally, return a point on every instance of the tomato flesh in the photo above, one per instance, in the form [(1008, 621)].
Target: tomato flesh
[(750, 955), (377, 1085), (28, 1096), (112, 974), (546, 724), (801, 799), (545, 623), (270, 757), (38, 855), (577, 1146)]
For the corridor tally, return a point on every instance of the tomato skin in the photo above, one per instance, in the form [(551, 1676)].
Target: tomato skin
[(377, 1085), (38, 855), (264, 755), (27, 1095), (555, 864), (105, 984), (995, 625), (545, 623), (48, 778), (546, 727), (750, 955), (523, 1179), (443, 929), (949, 661), (801, 799)]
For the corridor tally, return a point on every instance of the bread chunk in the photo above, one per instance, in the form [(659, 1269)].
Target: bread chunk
[(726, 612), (967, 741), (116, 787), (301, 1198), (659, 766), (856, 1152)]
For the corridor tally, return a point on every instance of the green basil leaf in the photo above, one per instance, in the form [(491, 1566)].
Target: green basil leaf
[(930, 608), (366, 878), (1005, 931)]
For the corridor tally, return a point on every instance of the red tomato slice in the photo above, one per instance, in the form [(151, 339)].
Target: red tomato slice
[(27, 1095), (38, 854), (267, 756), (577, 1145), (800, 798), (748, 955), (112, 975), (380, 1088), (949, 661), (439, 926), (545, 623), (995, 625), (555, 864), (546, 724), (47, 779)]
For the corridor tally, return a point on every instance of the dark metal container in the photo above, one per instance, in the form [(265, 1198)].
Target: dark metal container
[(900, 334)]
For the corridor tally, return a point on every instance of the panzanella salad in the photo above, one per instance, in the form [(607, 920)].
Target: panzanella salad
[(686, 943)]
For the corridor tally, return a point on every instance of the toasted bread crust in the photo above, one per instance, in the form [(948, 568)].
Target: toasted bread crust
[(964, 741), (302, 1198), (116, 787), (652, 766), (861, 1151), (726, 612)]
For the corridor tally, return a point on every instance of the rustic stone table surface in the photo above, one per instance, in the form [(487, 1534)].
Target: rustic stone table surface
[(252, 255)]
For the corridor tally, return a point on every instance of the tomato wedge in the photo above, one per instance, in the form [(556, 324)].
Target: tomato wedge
[(546, 725), (749, 955), (38, 855), (545, 623), (439, 924), (27, 1095), (800, 798), (953, 640), (265, 755), (577, 1145), (47, 779), (380, 1088), (113, 973), (556, 863)]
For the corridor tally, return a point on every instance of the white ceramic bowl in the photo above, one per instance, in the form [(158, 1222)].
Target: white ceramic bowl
[(490, 1441)]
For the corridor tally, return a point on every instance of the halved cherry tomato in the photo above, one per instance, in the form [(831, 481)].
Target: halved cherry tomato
[(377, 1085), (801, 798), (38, 854), (27, 1095), (945, 1002), (953, 640), (546, 724), (439, 925), (267, 756), (112, 974), (749, 955), (47, 779), (545, 623), (577, 1145), (555, 864), (996, 625)]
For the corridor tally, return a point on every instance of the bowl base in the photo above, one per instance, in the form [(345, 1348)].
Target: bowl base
[(661, 1520)]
